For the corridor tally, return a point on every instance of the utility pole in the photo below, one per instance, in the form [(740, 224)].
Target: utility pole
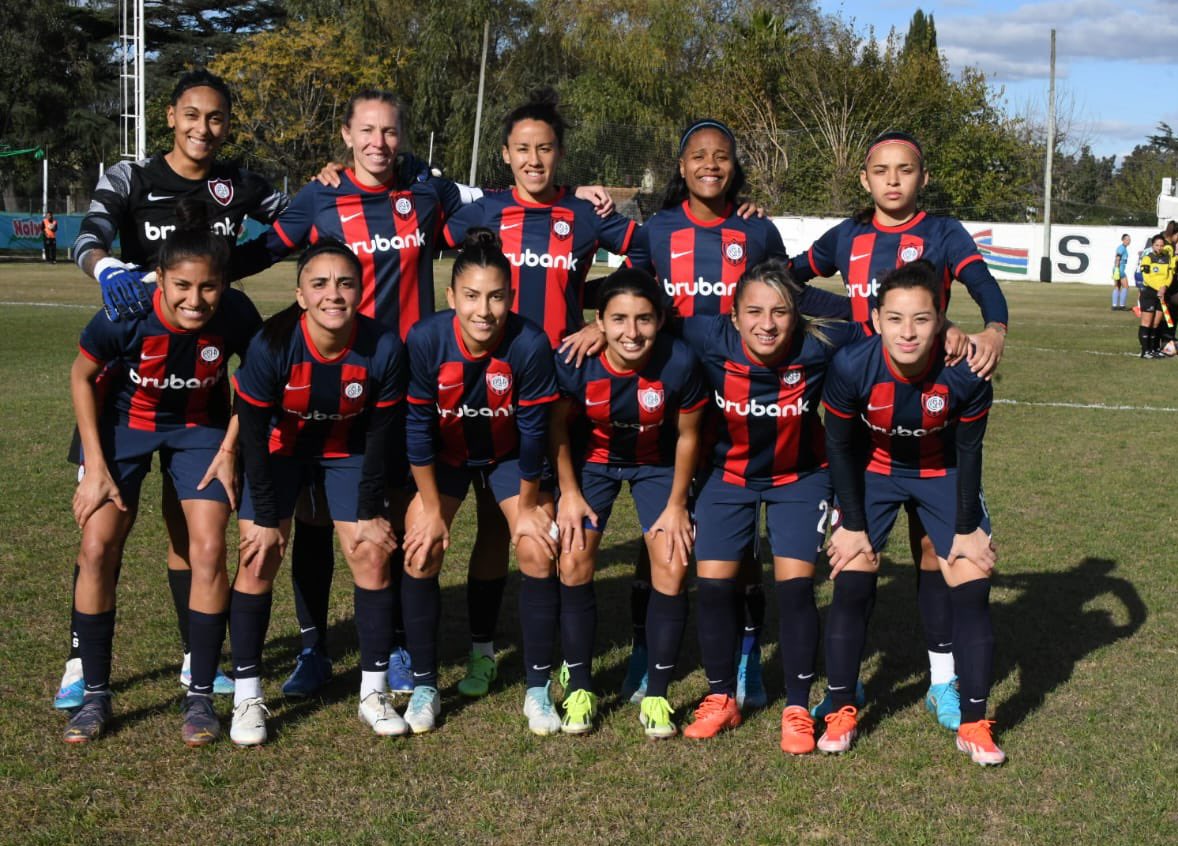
[(478, 114), (1045, 261)]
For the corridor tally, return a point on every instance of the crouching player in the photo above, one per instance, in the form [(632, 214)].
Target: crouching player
[(316, 399), (635, 411), (926, 422), (166, 377)]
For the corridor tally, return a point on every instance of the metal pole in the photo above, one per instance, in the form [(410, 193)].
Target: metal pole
[(45, 184), (478, 115), (1045, 261), (140, 84), (429, 160)]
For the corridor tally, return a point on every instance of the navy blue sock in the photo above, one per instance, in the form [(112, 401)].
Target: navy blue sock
[(421, 604), (539, 610), (666, 618), (640, 596), (396, 618), (484, 598), (249, 618), (312, 567), (797, 637), (74, 653), (96, 635), (180, 585), (206, 633), (374, 627), (578, 631), (846, 633), (754, 603), (936, 610), (973, 646), (718, 625)]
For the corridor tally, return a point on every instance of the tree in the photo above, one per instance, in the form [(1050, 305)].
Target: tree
[(922, 36)]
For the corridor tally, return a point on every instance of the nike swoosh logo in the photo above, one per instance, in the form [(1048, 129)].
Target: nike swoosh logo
[(448, 387), (871, 407), (381, 663), (713, 681), (152, 357), (860, 256), (598, 402), (152, 198), (832, 687), (541, 669), (418, 675), (676, 255), (243, 669), (663, 666), (290, 387), (346, 218), (805, 677), (503, 226), (307, 629), (976, 701), (578, 664), (942, 645)]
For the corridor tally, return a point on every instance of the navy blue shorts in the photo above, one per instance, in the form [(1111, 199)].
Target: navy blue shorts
[(185, 455), (649, 485), (339, 479), (727, 517), (501, 479), (936, 505)]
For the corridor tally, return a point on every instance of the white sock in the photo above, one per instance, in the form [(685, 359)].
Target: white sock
[(484, 648), (372, 681), (941, 668), (244, 689)]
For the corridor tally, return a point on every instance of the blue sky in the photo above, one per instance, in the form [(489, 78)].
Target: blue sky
[(1116, 60)]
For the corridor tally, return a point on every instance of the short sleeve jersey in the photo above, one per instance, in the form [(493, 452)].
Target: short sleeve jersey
[(912, 422), (550, 246), (769, 431), (393, 231), (476, 397), (864, 253), (630, 418), (158, 377), (1122, 258), (1157, 269), (320, 406), (698, 262), (136, 201)]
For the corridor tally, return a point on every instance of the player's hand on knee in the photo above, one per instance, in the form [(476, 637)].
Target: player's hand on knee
[(676, 528), (95, 490), (977, 547), (123, 293), (570, 521), (845, 546), (377, 532)]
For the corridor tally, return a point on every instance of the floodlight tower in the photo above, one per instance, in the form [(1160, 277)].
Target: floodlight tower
[(132, 48)]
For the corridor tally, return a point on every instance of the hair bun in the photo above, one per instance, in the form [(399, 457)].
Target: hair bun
[(545, 96), (481, 236), (192, 215)]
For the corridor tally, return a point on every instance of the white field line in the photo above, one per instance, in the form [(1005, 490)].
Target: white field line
[(1094, 406)]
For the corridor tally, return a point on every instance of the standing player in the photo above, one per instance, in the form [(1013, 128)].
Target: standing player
[(1120, 274), (481, 380), (136, 202), (316, 402), (49, 237), (926, 421), (765, 364), (168, 393), (1157, 269), (892, 232), (635, 412), (550, 237)]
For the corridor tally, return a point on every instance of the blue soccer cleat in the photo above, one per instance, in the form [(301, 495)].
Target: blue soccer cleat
[(312, 671), (825, 707), (73, 687), (944, 702)]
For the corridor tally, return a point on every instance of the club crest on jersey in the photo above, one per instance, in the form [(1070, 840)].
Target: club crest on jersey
[(934, 404), (791, 377), (499, 383), (403, 206), (353, 390), (910, 253), (561, 229), (651, 398), (210, 354), (222, 191), (734, 252)]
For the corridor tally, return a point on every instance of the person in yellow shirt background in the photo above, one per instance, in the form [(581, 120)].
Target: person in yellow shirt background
[(1157, 269)]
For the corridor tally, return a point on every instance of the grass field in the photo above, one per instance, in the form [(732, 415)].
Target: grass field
[(1085, 613)]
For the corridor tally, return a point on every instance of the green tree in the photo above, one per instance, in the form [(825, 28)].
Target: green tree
[(922, 35)]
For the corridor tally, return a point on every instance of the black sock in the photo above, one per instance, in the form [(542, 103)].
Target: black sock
[(973, 646), (1143, 339), (936, 610), (421, 601), (396, 618), (578, 631), (312, 566), (666, 618), (206, 634), (539, 610), (718, 625), (374, 627), (180, 584), (754, 618), (846, 633), (640, 598), (96, 635), (797, 637), (74, 653), (249, 618), (484, 598)]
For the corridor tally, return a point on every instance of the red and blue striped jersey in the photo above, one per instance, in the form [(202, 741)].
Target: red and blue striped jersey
[(632, 418), (912, 422), (319, 406), (864, 253), (157, 376), (550, 246), (769, 431), (393, 231), (472, 411), (698, 262)]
